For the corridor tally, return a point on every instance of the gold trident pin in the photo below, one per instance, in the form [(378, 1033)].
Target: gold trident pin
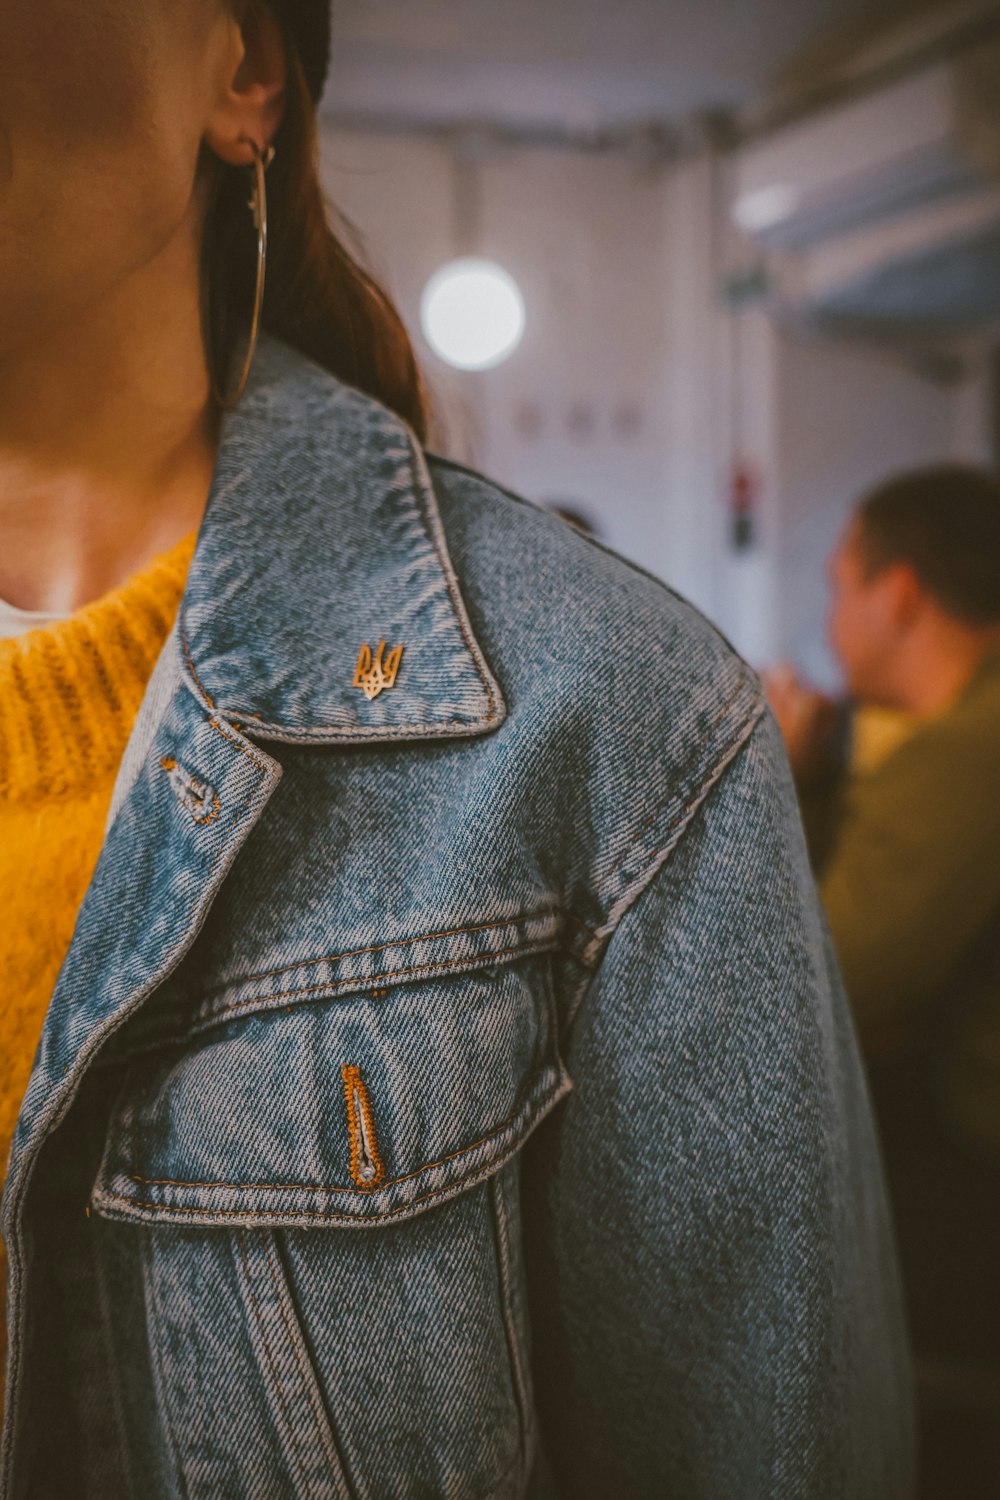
[(374, 674)]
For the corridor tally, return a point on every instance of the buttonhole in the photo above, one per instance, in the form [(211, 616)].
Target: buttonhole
[(195, 796), (366, 1164)]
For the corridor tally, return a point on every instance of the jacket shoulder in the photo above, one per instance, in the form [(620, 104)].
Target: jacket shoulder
[(583, 597), (626, 687)]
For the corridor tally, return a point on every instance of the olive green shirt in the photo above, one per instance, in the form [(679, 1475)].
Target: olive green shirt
[(910, 879)]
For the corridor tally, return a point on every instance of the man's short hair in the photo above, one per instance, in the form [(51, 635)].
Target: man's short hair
[(945, 522)]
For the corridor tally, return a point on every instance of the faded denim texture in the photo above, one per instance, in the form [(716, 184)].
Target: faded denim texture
[(448, 1094)]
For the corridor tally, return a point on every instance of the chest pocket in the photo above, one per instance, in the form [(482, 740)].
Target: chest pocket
[(393, 1361)]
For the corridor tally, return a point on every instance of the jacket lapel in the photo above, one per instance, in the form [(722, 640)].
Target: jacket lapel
[(195, 797), (321, 536), (322, 540)]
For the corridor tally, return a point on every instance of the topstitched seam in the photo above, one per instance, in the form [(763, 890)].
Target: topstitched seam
[(587, 539), (308, 1381), (190, 661), (203, 1019), (336, 734), (312, 1187), (456, 603), (217, 726), (418, 489), (423, 937), (502, 1243), (162, 1387), (684, 811), (476, 1175), (279, 1389), (332, 984)]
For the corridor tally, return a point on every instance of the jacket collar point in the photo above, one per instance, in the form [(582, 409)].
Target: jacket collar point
[(321, 539)]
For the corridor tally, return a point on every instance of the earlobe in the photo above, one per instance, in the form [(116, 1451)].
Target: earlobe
[(239, 150), (252, 104)]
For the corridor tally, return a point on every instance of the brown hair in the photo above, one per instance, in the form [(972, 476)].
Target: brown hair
[(317, 296), (945, 522)]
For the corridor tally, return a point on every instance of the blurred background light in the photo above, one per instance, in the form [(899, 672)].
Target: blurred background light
[(472, 314)]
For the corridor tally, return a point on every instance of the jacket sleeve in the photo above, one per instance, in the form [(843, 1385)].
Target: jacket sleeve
[(711, 1270)]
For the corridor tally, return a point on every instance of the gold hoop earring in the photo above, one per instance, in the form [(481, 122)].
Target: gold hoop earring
[(257, 204)]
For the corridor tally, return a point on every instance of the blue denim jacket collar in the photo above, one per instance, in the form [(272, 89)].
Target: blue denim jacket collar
[(322, 535)]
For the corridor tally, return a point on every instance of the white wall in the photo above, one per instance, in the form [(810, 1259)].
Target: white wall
[(694, 380), (578, 413), (397, 193), (636, 391)]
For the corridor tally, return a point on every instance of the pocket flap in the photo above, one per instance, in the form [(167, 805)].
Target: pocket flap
[(348, 1111)]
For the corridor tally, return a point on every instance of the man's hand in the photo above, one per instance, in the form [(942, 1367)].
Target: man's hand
[(806, 719)]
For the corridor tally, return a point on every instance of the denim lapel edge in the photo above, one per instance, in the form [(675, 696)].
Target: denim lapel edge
[(321, 537), (190, 796)]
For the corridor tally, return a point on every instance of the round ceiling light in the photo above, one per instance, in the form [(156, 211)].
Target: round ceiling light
[(472, 314)]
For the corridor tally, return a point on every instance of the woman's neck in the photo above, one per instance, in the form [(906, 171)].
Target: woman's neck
[(107, 440)]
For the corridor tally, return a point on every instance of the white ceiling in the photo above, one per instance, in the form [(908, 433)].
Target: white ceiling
[(571, 65)]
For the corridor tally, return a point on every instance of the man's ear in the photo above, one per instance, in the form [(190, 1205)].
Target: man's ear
[(908, 594), (251, 101)]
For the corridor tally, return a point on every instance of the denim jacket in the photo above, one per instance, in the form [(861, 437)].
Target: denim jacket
[(448, 1090)]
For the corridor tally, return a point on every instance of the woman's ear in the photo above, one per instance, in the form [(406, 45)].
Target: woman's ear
[(251, 100)]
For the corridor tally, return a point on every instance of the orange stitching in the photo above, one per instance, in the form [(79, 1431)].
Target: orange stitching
[(169, 764), (422, 937), (312, 1187), (216, 725), (212, 703), (476, 1175), (483, 960), (361, 1129), (211, 817)]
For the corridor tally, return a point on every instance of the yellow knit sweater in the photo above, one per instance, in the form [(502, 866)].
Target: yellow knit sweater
[(69, 693)]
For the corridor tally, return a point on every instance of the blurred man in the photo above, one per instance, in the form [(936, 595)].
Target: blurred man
[(907, 853)]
